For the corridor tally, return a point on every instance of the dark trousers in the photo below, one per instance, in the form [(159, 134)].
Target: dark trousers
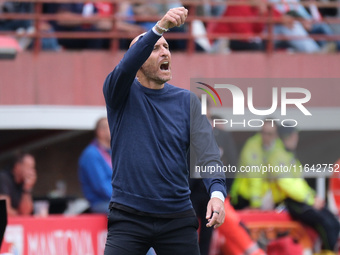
[(322, 221), (200, 199), (130, 234)]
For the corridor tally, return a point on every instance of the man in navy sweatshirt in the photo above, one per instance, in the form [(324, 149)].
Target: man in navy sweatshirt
[(152, 125)]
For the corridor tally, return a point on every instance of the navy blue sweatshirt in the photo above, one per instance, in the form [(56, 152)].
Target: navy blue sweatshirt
[(150, 138)]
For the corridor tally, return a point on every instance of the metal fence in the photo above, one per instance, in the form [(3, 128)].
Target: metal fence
[(114, 35)]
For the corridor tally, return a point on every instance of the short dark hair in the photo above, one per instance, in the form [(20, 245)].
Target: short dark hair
[(18, 157)]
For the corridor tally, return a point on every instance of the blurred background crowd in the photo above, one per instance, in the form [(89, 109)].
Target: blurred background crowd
[(236, 26), (56, 169)]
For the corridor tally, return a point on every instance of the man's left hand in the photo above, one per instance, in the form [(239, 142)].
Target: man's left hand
[(215, 212)]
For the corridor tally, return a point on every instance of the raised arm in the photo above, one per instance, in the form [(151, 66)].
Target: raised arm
[(118, 82)]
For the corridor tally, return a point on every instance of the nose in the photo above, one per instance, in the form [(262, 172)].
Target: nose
[(165, 51)]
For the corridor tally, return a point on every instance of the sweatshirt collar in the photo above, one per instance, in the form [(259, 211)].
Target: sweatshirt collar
[(153, 91)]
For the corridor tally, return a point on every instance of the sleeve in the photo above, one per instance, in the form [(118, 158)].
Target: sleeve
[(259, 27), (297, 189), (203, 144), (118, 83), (301, 10)]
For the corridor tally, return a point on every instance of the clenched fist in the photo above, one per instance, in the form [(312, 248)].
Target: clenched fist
[(174, 18)]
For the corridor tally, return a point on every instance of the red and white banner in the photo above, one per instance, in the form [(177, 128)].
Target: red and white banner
[(55, 235)]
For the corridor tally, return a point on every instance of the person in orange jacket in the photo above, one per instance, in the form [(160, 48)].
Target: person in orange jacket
[(232, 238)]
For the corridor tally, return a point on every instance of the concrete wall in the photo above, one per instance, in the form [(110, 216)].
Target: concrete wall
[(76, 78)]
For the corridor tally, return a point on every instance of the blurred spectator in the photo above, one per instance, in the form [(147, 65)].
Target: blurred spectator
[(214, 8), (101, 9), (26, 27), (16, 184), (155, 9), (95, 169), (105, 11), (12, 7), (307, 23), (247, 28), (297, 196), (151, 9), (289, 13), (124, 24), (75, 10), (249, 192), (310, 20)]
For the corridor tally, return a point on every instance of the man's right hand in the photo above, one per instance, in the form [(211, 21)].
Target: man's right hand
[(174, 18)]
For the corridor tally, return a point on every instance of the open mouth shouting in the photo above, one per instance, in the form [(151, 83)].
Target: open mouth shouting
[(165, 66)]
